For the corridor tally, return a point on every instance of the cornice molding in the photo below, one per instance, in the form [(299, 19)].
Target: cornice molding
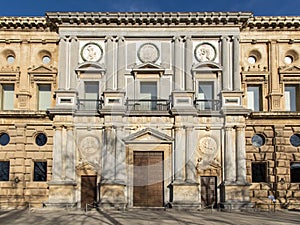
[(149, 18), (23, 23), (274, 22)]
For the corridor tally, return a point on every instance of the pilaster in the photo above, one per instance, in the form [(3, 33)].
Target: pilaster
[(109, 63), (178, 67), (188, 64), (225, 63)]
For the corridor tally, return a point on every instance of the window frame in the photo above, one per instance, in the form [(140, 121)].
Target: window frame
[(259, 96), (36, 177), (38, 95), (3, 98), (295, 102), (258, 180)]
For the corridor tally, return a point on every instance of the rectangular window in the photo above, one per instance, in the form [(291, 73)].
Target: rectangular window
[(44, 97), (290, 94), (259, 172), (254, 100), (295, 172), (205, 95), (148, 95), (91, 95), (8, 95), (4, 171), (40, 171)]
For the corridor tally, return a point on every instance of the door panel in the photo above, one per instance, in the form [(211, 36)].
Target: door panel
[(148, 179), (208, 191), (88, 190)]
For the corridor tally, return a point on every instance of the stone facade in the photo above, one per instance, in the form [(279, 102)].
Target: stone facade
[(150, 109)]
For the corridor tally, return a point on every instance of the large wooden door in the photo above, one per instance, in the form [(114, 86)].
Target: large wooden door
[(209, 191), (88, 190), (148, 179)]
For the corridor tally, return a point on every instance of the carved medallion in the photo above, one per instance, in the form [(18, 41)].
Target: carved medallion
[(205, 52), (148, 53), (91, 52), (89, 145), (208, 149)]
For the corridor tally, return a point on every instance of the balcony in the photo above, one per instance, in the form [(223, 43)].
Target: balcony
[(89, 104), (147, 105), (207, 104)]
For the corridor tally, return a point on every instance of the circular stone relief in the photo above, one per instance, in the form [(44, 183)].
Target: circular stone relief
[(91, 52), (205, 52), (148, 53), (89, 145)]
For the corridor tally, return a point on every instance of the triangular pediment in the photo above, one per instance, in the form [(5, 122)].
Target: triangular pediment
[(148, 67), (92, 67), (289, 69), (148, 135), (42, 69), (207, 66)]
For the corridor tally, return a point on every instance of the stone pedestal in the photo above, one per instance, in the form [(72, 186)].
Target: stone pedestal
[(235, 196), (113, 101), (61, 194), (185, 195), (112, 195)]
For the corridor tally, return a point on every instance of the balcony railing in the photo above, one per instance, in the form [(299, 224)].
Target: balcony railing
[(89, 104), (207, 104), (147, 105)]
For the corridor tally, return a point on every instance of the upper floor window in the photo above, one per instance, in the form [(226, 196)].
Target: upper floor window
[(8, 95), (254, 101), (291, 93), (91, 96), (205, 96), (44, 96), (148, 95), (4, 171)]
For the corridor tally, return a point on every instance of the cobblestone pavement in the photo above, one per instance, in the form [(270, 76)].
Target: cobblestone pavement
[(139, 216)]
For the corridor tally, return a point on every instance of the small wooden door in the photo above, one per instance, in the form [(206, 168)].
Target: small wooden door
[(88, 190), (148, 179), (209, 191)]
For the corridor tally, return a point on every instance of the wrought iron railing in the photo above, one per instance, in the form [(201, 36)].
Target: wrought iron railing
[(207, 104), (89, 104), (147, 105)]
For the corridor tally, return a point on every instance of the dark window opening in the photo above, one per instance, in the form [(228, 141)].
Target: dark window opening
[(40, 171), (295, 172), (4, 171), (259, 172)]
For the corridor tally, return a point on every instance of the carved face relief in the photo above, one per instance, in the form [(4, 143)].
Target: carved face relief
[(205, 52)]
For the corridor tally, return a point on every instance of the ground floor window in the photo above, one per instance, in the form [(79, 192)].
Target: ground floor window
[(4, 171), (295, 172), (259, 172), (40, 171)]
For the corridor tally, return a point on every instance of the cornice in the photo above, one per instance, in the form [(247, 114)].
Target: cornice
[(149, 18), (274, 22), (23, 23)]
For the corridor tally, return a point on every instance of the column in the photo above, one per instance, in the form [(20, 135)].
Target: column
[(241, 154), (109, 155), (120, 156), (62, 59), (121, 64), (73, 61), (57, 156), (109, 63), (70, 155), (177, 64), (230, 158), (179, 154), (188, 64), (236, 64), (189, 166), (225, 63)]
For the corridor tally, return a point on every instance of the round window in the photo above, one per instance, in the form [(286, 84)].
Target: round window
[(4, 139), (258, 140), (252, 59), (288, 59), (41, 139), (46, 59), (295, 140), (10, 59)]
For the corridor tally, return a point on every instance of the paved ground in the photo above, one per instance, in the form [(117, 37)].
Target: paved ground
[(142, 217)]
